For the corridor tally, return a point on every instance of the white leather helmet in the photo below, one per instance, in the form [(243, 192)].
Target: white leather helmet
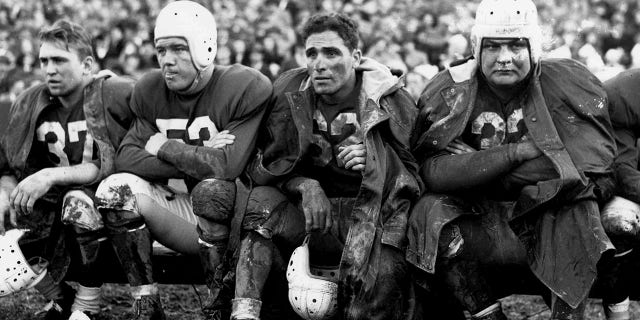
[(194, 23), (313, 292), (507, 19), (15, 272)]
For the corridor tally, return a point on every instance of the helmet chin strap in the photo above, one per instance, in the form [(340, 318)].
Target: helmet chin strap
[(202, 78)]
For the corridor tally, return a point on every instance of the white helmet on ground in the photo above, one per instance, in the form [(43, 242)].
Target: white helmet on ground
[(313, 297), (16, 273), (194, 23), (507, 19)]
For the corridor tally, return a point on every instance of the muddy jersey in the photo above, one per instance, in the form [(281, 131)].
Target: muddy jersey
[(493, 123), (61, 139), (334, 126), (234, 99)]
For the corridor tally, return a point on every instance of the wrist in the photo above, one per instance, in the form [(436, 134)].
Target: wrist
[(8, 183), (303, 186), (49, 175)]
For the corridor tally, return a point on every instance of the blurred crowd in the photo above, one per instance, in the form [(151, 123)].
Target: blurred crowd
[(415, 37)]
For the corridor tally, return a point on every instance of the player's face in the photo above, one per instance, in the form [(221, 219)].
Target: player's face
[(175, 61), (331, 65), (505, 62), (64, 70)]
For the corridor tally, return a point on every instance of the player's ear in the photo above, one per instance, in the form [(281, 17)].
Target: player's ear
[(87, 65), (357, 56)]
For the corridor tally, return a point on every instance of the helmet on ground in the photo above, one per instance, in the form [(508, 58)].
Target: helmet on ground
[(16, 273), (507, 19), (313, 292), (194, 23)]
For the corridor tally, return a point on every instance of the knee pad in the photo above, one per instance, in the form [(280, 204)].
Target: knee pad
[(214, 200), (117, 192), (78, 210), (621, 221)]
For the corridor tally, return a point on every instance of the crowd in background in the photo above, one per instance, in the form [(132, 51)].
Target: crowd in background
[(415, 37)]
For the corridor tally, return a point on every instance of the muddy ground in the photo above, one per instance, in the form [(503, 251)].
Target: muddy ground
[(182, 302)]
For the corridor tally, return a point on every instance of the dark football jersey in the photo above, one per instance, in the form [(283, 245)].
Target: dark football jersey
[(234, 100), (61, 139), (493, 123), (335, 126)]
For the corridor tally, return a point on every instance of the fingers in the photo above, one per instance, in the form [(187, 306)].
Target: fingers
[(458, 147), (308, 221), (360, 150), (12, 218), (318, 221), (24, 204), (17, 201), (353, 156), (30, 203), (13, 195), (357, 161), (328, 223), (312, 221), (221, 139)]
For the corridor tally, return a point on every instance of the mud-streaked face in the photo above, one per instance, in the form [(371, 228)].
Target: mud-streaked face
[(330, 64)]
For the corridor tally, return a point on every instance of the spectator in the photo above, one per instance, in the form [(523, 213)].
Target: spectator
[(431, 25), (223, 56)]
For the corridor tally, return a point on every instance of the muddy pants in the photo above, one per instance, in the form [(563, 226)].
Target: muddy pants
[(275, 226)]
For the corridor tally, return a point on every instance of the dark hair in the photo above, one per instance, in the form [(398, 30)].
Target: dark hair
[(344, 26), (69, 35)]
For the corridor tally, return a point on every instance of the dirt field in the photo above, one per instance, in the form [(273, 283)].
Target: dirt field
[(182, 302)]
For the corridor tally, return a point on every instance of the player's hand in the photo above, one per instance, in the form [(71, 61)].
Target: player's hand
[(155, 142), (317, 210), (527, 150), (220, 140), (458, 147), (353, 157), (5, 209), (25, 194)]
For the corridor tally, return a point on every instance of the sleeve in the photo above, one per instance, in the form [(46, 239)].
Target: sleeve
[(227, 162), (119, 117), (402, 126), (133, 158), (446, 172), (624, 120)]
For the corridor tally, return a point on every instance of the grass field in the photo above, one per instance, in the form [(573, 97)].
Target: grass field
[(182, 302)]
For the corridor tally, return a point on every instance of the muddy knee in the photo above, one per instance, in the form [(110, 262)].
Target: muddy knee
[(621, 221), (213, 203), (79, 211), (117, 202)]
